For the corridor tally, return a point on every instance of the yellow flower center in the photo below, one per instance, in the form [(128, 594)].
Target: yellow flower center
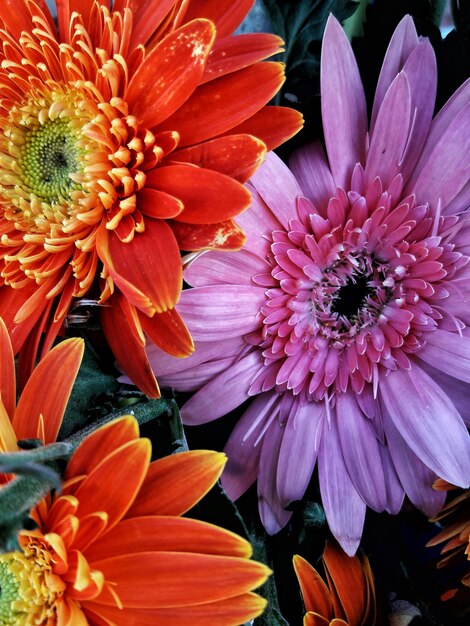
[(28, 588)]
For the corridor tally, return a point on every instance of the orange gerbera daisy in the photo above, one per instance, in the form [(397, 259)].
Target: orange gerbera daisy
[(113, 550), (41, 406), (126, 135), (349, 598), (455, 533)]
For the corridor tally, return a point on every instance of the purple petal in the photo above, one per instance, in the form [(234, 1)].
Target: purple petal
[(215, 313), (243, 447), (272, 514), (223, 393), (441, 172), (393, 486), (276, 184), (360, 450), (193, 378), (453, 388), (415, 476), (391, 132), (448, 352), (163, 364), (460, 203), (345, 510), (310, 167), (299, 450), (343, 104), (402, 44), (428, 422), (258, 223), (235, 268), (421, 71)]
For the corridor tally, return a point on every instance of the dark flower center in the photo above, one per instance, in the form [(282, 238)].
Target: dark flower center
[(351, 297)]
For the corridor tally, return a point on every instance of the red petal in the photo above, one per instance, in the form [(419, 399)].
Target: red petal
[(234, 53), (208, 196), (175, 483), (174, 579), (7, 371), (168, 331), (273, 125), (147, 270), (47, 391), (315, 593), (102, 442), (238, 156), (11, 301), (229, 612), (158, 204), (221, 236), (218, 106), (227, 16), (173, 69), (112, 485), (169, 534), (123, 333)]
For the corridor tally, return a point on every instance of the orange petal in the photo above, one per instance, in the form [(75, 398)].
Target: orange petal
[(125, 338), (47, 391), (221, 104), (226, 16), (315, 593), (69, 613), (174, 69), (176, 483), (221, 236), (207, 195), (174, 579), (146, 17), (91, 527), (8, 438), (238, 156), (229, 612), (234, 53), (273, 125), (347, 584), (113, 484), (168, 331), (158, 204), (313, 619), (102, 442), (167, 534), (11, 301), (148, 270), (7, 372)]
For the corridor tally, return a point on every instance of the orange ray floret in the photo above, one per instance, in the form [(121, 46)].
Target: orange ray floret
[(126, 136), (348, 597), (40, 409), (96, 559)]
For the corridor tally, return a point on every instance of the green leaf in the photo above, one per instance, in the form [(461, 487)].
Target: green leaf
[(301, 24), (92, 383)]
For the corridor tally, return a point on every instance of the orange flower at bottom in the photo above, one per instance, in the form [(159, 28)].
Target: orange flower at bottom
[(113, 550), (349, 598)]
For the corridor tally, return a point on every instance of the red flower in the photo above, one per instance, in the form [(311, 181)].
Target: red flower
[(127, 133)]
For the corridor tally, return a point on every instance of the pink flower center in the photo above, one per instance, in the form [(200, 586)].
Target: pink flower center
[(358, 286)]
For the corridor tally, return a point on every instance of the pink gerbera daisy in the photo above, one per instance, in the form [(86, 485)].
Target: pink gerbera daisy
[(344, 319)]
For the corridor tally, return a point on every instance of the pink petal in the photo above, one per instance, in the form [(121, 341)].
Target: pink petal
[(415, 476), (402, 43), (216, 312), (343, 104), (428, 422), (272, 514), (215, 268), (277, 186), (361, 453), (244, 445), (448, 352), (224, 393), (390, 134), (299, 450), (310, 166), (345, 510)]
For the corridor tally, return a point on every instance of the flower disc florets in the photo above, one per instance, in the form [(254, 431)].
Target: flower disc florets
[(357, 290)]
